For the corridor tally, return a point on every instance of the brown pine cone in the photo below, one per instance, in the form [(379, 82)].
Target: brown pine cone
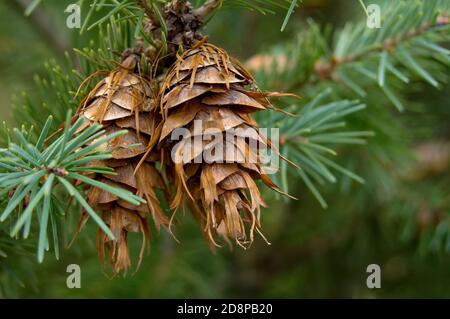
[(124, 101), (206, 85)]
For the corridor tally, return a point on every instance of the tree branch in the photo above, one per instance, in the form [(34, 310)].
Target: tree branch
[(207, 8), (325, 69)]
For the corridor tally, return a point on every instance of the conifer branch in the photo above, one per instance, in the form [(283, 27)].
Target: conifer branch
[(310, 139), (325, 69), (31, 171)]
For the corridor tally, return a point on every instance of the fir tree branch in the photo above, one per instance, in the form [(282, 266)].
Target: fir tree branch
[(304, 66), (32, 171), (325, 69)]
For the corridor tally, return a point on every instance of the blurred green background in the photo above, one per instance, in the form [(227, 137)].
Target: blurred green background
[(315, 252)]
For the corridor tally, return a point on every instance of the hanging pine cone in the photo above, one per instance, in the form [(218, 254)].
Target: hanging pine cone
[(123, 101), (206, 85)]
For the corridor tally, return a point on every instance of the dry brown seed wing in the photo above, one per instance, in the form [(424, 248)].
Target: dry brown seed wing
[(99, 196), (125, 175), (233, 182), (142, 209), (146, 123), (183, 93), (128, 80), (233, 98), (130, 99), (208, 185), (113, 111), (192, 61), (223, 170), (211, 75), (152, 175), (179, 118), (126, 146)]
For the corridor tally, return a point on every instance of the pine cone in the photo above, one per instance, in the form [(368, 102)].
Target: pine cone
[(206, 85), (123, 101)]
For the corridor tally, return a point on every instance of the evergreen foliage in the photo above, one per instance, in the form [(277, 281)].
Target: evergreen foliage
[(353, 133)]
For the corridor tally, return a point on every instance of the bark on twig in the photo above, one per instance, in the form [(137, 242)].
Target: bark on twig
[(207, 8)]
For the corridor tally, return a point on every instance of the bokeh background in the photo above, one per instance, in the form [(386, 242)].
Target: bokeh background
[(315, 252)]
